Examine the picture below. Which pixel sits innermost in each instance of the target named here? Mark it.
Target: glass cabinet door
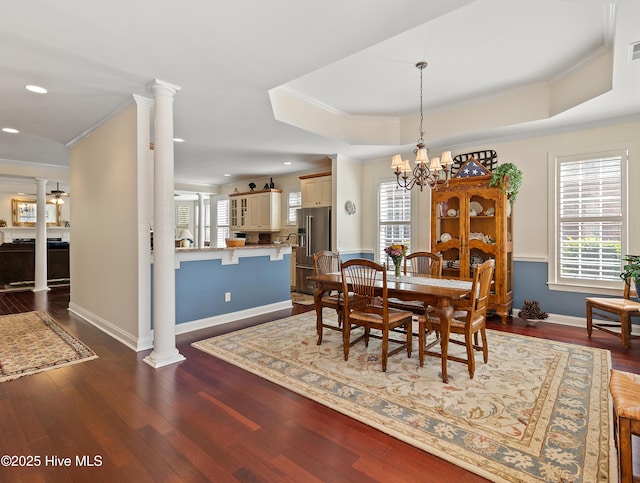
(482, 229)
(448, 232)
(233, 212)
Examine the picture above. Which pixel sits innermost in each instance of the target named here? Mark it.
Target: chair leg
(589, 319)
(409, 329)
(346, 339)
(385, 349)
(319, 325)
(625, 331)
(471, 360)
(624, 450)
(422, 327)
(485, 347)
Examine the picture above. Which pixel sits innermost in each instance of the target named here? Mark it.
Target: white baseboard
(108, 328)
(207, 322)
(140, 344)
(573, 321)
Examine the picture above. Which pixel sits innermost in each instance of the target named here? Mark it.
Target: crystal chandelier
(426, 173)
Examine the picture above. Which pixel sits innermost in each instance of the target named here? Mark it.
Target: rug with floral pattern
(537, 411)
(33, 342)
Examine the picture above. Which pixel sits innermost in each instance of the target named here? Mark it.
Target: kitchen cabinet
(256, 211)
(470, 223)
(316, 189)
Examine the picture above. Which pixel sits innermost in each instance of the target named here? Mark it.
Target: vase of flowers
(396, 252)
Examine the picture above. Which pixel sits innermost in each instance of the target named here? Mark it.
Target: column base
(40, 289)
(156, 362)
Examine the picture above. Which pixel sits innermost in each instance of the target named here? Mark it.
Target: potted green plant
(509, 178)
(631, 271)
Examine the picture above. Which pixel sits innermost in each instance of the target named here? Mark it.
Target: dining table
(437, 292)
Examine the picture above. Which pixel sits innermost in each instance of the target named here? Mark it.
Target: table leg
(422, 326)
(445, 313)
(317, 297)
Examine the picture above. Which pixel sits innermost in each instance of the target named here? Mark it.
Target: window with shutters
(294, 201)
(395, 217)
(184, 216)
(207, 222)
(589, 225)
(222, 222)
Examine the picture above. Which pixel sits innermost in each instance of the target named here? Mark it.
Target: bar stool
(625, 391)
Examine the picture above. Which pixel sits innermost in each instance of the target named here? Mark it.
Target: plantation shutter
(294, 202)
(590, 201)
(207, 221)
(222, 222)
(395, 216)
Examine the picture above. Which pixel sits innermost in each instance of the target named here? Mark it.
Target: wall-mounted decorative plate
(350, 207)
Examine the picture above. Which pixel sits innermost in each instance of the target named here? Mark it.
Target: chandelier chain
(421, 115)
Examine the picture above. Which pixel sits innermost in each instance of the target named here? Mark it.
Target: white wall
(531, 155)
(104, 261)
(530, 210)
(347, 186)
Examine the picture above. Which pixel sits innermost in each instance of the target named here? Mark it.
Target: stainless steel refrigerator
(314, 235)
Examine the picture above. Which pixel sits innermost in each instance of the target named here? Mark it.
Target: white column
(41, 236)
(164, 281)
(145, 200)
(200, 220)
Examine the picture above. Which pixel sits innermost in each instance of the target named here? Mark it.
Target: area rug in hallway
(537, 411)
(33, 342)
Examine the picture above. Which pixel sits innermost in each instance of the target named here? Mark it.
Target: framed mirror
(25, 213)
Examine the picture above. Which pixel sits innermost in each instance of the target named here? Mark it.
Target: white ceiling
(351, 59)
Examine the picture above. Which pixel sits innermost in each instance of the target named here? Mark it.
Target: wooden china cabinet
(471, 222)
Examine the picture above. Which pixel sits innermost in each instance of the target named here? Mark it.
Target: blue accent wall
(253, 282)
(530, 282)
(351, 256)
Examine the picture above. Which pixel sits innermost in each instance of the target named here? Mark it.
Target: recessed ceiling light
(178, 140)
(36, 89)
(10, 130)
(227, 174)
(287, 163)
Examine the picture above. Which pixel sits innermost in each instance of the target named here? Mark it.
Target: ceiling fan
(57, 195)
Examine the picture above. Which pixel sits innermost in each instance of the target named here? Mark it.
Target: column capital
(141, 100)
(162, 88)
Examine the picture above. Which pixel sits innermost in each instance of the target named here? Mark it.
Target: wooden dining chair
(368, 307)
(614, 315)
(327, 261)
(468, 320)
(418, 264)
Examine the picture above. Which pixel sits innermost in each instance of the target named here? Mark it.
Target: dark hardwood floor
(203, 419)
